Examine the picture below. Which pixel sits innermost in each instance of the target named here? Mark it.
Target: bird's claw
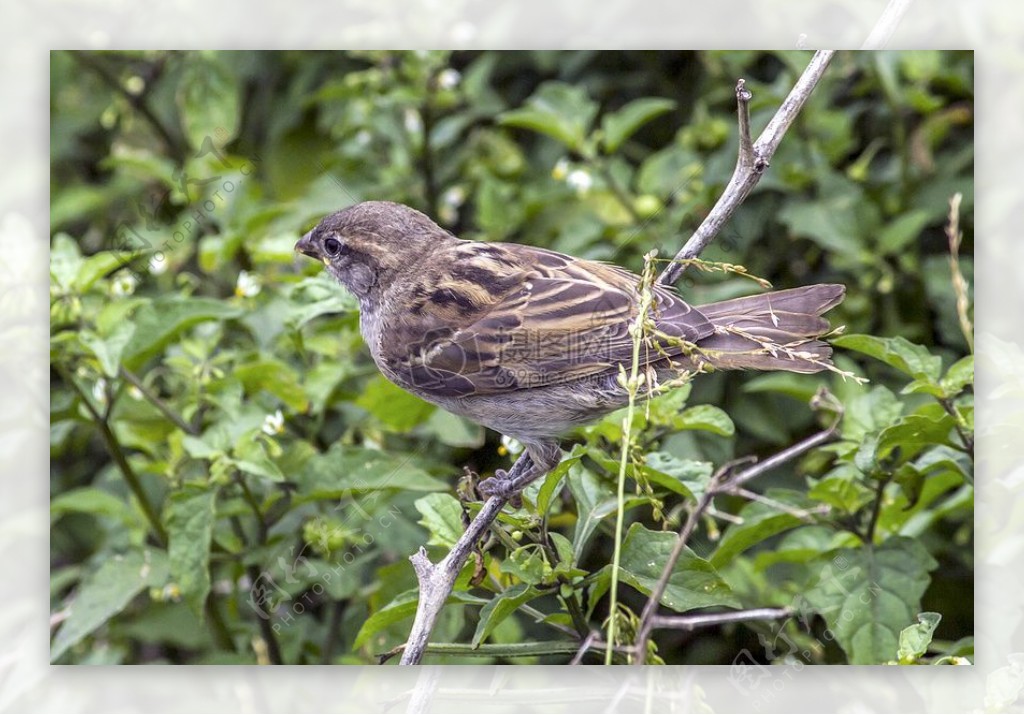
(500, 485)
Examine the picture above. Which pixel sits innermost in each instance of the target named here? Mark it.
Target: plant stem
(876, 509)
(632, 386)
(154, 400)
(118, 455)
(137, 101)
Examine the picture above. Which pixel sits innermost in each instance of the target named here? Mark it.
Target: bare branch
(688, 623)
(437, 580)
(586, 645)
(751, 162)
(722, 483)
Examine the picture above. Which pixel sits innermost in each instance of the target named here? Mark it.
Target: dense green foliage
(233, 481)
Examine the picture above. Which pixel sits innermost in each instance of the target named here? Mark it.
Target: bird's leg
(538, 459)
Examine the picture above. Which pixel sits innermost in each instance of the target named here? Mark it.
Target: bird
(531, 342)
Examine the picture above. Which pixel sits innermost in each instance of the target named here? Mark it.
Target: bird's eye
(332, 246)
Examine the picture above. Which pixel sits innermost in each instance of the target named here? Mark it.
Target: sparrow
(531, 342)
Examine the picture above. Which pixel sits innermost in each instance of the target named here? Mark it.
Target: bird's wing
(507, 317)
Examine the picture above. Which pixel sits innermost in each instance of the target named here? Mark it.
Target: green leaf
(95, 267)
(912, 434)
(159, 322)
(896, 235)
(868, 595)
(199, 448)
(442, 518)
(346, 468)
(791, 384)
(915, 639)
(320, 295)
(189, 519)
(105, 592)
(401, 607)
(90, 500)
(275, 377)
(108, 350)
(870, 412)
(926, 387)
(501, 607)
(760, 522)
(208, 100)
(250, 456)
(898, 352)
(620, 125)
(528, 564)
(589, 492)
(555, 476)
(694, 582)
(838, 224)
(843, 492)
(708, 418)
(71, 271)
(65, 260)
(394, 407)
(683, 476)
(453, 430)
(562, 111)
(959, 376)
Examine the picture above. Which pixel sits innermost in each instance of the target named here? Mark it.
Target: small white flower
(451, 200)
(449, 79)
(363, 137)
(413, 121)
(511, 445)
(560, 170)
(99, 391)
(273, 424)
(123, 284)
(158, 264)
(454, 196)
(248, 285)
(580, 180)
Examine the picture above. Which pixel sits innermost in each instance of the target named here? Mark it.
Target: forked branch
(753, 159)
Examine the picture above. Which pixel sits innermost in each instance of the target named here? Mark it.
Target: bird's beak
(307, 246)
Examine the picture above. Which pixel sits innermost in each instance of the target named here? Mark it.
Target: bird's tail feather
(772, 331)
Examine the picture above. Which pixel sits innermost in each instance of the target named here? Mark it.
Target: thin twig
(751, 161)
(780, 458)
(158, 403)
(586, 645)
(721, 483)
(114, 447)
(876, 510)
(801, 514)
(137, 101)
(700, 620)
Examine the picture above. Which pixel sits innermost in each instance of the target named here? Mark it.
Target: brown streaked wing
(564, 320)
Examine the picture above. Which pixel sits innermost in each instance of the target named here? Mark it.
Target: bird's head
(368, 245)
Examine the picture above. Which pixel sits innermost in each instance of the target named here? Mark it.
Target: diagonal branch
(723, 482)
(751, 163)
(437, 580)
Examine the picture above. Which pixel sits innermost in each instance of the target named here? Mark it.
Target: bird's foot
(502, 485)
